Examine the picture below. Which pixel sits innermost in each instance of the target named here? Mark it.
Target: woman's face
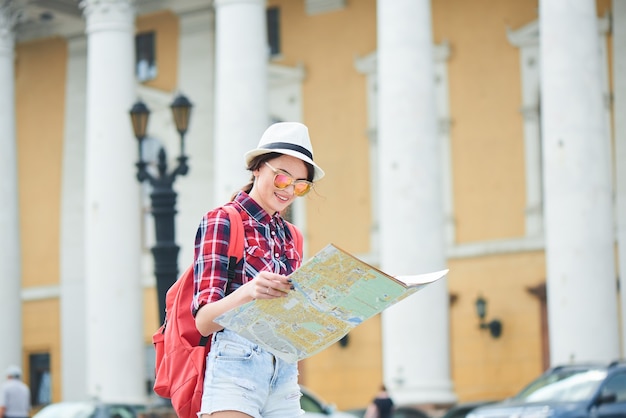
(270, 197)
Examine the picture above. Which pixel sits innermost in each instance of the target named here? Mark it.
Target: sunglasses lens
(300, 189)
(281, 181)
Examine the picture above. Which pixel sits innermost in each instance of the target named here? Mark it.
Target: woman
(243, 380)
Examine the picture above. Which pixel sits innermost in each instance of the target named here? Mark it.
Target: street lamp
(494, 326)
(163, 196)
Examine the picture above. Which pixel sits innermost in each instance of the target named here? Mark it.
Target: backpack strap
(235, 250)
(297, 236)
(235, 243)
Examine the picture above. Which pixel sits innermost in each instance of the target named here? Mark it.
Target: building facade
(483, 136)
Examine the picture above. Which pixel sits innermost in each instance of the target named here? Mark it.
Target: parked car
(88, 410)
(461, 410)
(399, 412)
(315, 407)
(597, 391)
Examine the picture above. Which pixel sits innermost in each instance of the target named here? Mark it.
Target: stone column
(113, 301)
(619, 112)
(10, 258)
(195, 79)
(241, 92)
(416, 347)
(72, 247)
(580, 259)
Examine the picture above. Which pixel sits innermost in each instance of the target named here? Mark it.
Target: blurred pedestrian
(381, 406)
(14, 395)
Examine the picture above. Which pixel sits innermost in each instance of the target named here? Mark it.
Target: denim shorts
(241, 376)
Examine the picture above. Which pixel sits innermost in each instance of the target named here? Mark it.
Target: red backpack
(180, 349)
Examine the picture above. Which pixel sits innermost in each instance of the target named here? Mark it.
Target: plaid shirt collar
(254, 209)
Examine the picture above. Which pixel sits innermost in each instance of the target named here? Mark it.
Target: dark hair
(259, 160)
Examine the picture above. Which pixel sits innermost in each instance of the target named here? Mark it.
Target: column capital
(219, 3)
(108, 14)
(9, 16)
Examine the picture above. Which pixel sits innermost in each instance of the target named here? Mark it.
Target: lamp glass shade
(181, 110)
(481, 307)
(139, 116)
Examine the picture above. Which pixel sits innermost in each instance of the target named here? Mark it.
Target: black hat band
(287, 145)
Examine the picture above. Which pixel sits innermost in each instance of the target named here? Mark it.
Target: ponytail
(246, 188)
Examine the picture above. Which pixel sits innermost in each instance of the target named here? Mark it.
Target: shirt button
(273, 232)
(276, 255)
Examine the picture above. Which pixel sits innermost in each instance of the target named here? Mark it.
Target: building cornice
(528, 35)
(9, 16)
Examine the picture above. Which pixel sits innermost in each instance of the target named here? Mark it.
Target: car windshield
(563, 386)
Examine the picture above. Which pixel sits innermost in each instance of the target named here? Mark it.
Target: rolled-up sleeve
(211, 258)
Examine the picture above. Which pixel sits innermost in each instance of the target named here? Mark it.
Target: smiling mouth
(282, 198)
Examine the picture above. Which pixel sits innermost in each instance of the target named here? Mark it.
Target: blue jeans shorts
(241, 376)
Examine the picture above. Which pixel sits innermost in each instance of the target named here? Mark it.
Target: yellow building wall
(150, 313)
(339, 211)
(603, 7)
(165, 25)
(487, 148)
(484, 367)
(41, 334)
(40, 103)
(40, 72)
(487, 142)
(348, 376)
(334, 109)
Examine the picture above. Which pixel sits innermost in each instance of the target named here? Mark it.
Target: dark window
(616, 385)
(40, 379)
(273, 30)
(145, 56)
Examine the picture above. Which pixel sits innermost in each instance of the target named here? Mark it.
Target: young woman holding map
(242, 379)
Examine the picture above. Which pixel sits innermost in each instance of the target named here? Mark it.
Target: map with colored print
(335, 292)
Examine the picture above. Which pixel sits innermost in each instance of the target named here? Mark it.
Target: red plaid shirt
(267, 248)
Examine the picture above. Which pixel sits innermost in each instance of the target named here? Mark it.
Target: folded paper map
(334, 292)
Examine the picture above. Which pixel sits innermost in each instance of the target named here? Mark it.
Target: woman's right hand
(267, 285)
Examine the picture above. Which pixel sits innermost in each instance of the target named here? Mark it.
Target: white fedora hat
(289, 138)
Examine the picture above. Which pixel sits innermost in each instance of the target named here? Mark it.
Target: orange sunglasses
(283, 180)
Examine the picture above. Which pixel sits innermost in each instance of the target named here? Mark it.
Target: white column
(580, 257)
(416, 348)
(10, 258)
(241, 93)
(114, 311)
(72, 247)
(195, 80)
(619, 112)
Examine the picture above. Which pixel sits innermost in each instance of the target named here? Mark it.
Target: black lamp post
(163, 196)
